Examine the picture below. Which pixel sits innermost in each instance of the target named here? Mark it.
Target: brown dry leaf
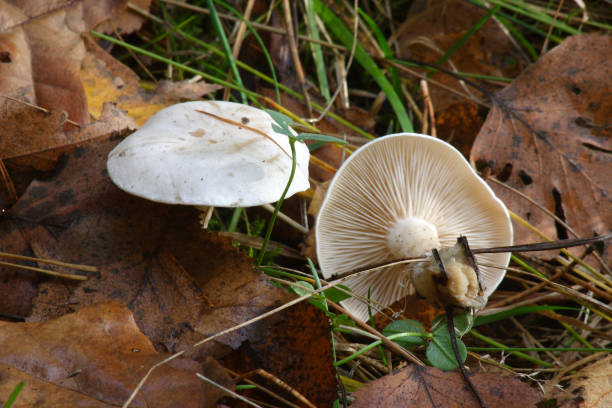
(96, 357)
(423, 387)
(42, 49)
(594, 383)
(549, 136)
(126, 21)
(433, 26)
(409, 307)
(459, 124)
(297, 350)
(106, 79)
(48, 35)
(152, 257)
(41, 135)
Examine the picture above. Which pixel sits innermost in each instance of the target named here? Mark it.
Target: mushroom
(400, 196)
(211, 153)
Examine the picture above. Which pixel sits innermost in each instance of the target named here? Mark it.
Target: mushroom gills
(448, 278)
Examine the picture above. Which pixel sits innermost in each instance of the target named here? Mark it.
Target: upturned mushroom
(401, 196)
(209, 153)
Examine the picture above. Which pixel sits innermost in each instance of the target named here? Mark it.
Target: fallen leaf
(180, 282)
(433, 26)
(589, 387)
(39, 138)
(409, 307)
(107, 80)
(126, 21)
(42, 49)
(548, 135)
(48, 36)
(421, 387)
(297, 350)
(459, 124)
(96, 357)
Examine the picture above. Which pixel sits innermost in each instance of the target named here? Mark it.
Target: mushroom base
(459, 287)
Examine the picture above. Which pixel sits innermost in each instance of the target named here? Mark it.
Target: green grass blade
(526, 9)
(260, 42)
(222, 82)
(165, 60)
(340, 30)
(226, 47)
(11, 399)
(542, 349)
(384, 46)
(317, 53)
(464, 38)
(505, 348)
(480, 320)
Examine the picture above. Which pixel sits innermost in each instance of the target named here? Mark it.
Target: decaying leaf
(297, 349)
(590, 387)
(434, 26)
(549, 136)
(41, 52)
(32, 132)
(126, 20)
(459, 124)
(96, 357)
(152, 257)
(106, 79)
(48, 35)
(422, 387)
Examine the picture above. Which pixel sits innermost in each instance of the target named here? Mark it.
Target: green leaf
(336, 295)
(463, 324)
(297, 288)
(405, 326)
(320, 138)
(440, 353)
(343, 320)
(283, 123)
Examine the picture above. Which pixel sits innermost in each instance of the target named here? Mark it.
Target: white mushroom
(208, 154)
(399, 197)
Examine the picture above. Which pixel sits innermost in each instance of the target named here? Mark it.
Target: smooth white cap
(396, 197)
(183, 156)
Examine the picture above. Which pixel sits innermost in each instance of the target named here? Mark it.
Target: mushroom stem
(207, 212)
(287, 219)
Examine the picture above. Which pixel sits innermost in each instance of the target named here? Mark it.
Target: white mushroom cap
(400, 196)
(183, 156)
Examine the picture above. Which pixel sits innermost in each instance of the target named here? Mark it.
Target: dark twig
(450, 324)
(470, 257)
(543, 246)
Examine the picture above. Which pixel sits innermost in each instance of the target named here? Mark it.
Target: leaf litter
(181, 283)
(154, 253)
(94, 358)
(548, 136)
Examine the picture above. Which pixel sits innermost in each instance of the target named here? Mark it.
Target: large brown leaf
(424, 387)
(433, 26)
(549, 136)
(95, 358)
(180, 282)
(48, 35)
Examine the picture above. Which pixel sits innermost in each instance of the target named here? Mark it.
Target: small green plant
(411, 334)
